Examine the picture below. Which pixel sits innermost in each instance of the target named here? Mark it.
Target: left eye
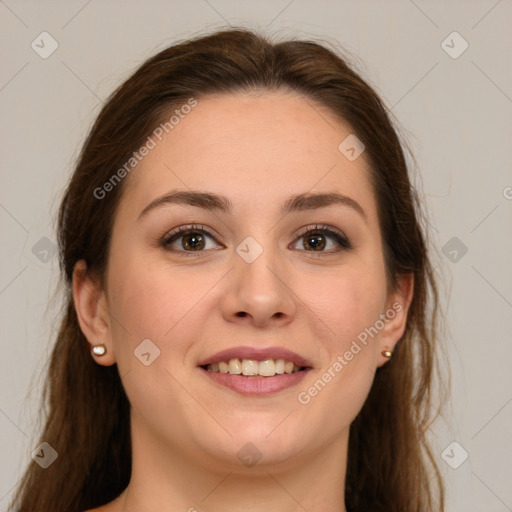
(323, 240)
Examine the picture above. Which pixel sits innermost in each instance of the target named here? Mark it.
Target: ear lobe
(397, 308)
(92, 312)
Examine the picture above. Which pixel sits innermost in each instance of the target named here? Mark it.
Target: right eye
(189, 239)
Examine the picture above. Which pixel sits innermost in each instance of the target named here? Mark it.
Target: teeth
(235, 366)
(267, 368)
(280, 366)
(252, 367)
(249, 367)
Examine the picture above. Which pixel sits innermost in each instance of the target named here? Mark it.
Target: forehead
(258, 149)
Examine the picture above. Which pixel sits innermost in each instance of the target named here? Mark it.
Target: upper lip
(259, 354)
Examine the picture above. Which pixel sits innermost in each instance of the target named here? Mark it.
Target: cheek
(150, 298)
(152, 301)
(348, 306)
(347, 301)
(345, 304)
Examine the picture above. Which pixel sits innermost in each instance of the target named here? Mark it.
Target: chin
(257, 443)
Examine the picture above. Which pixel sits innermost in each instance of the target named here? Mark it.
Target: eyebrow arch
(205, 200)
(309, 201)
(209, 201)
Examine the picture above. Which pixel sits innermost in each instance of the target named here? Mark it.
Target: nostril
(241, 314)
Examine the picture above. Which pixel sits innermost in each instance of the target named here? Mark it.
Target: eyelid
(189, 227)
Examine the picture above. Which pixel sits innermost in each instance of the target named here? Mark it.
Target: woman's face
(285, 273)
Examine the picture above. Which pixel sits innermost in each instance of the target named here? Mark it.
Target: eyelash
(321, 229)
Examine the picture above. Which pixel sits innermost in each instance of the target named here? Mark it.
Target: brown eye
(314, 241)
(193, 241)
(323, 239)
(189, 239)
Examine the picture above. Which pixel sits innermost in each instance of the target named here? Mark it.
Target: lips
(255, 371)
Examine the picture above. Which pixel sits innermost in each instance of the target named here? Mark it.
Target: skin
(257, 149)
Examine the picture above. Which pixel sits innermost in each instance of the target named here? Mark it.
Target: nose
(258, 293)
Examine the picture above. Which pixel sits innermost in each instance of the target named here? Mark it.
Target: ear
(395, 321)
(92, 312)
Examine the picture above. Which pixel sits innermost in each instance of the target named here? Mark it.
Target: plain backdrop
(444, 70)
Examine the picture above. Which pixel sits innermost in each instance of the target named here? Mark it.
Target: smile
(252, 367)
(255, 371)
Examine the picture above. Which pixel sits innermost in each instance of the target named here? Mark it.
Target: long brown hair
(390, 464)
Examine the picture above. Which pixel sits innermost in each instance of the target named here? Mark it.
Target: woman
(247, 295)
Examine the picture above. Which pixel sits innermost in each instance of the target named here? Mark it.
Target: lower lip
(256, 385)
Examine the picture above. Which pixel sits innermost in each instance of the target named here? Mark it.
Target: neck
(168, 479)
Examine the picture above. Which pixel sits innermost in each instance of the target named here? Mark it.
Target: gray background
(455, 113)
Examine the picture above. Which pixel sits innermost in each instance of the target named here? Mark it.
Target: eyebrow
(215, 202)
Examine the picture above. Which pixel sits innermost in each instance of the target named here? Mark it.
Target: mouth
(254, 368)
(256, 372)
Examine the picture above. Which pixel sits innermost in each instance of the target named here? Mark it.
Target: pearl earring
(99, 350)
